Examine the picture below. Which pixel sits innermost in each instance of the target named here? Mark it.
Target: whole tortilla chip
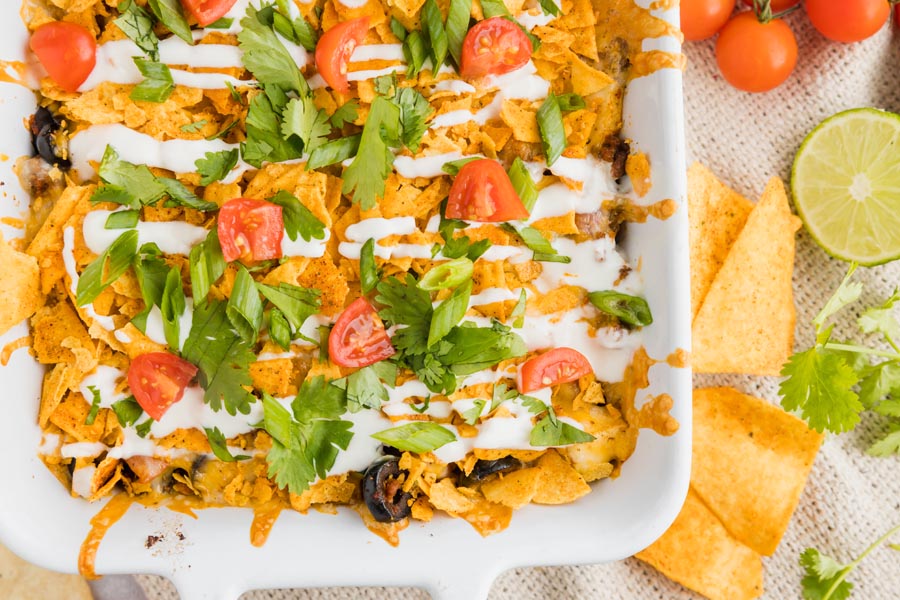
(717, 215)
(751, 460)
(19, 579)
(746, 323)
(20, 286)
(700, 554)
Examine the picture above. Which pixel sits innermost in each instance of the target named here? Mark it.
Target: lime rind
(846, 185)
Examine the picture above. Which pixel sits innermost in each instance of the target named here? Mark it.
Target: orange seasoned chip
(717, 215)
(560, 483)
(767, 454)
(20, 283)
(699, 553)
(515, 489)
(746, 323)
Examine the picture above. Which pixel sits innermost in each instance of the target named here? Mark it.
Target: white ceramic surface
(215, 561)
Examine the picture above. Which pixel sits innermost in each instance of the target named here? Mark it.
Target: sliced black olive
(383, 492)
(486, 468)
(44, 129)
(390, 451)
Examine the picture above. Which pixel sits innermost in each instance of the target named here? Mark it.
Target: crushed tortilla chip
(20, 286)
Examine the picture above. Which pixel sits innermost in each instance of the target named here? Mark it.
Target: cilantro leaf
(264, 139)
(457, 247)
(847, 293)
(819, 385)
(128, 411)
(888, 444)
(534, 405)
(881, 319)
(822, 577)
(194, 127)
(180, 195)
(157, 85)
(222, 357)
(133, 185)
(334, 152)
(550, 431)
(220, 446)
(364, 178)
(877, 381)
(215, 166)
(414, 112)
(308, 123)
(298, 220)
(472, 415)
(364, 389)
(266, 57)
(347, 113)
(306, 444)
(420, 436)
(408, 305)
(472, 349)
(137, 24)
(501, 393)
(294, 302)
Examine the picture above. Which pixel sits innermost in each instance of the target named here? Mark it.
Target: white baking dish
(42, 523)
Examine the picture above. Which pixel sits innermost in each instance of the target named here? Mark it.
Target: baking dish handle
(466, 587)
(214, 587)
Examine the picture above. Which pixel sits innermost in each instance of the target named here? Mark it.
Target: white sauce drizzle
(172, 237)
(82, 450)
(69, 262)
(377, 52)
(82, 481)
(427, 166)
(104, 379)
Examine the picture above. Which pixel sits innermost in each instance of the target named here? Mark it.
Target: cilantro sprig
(826, 577)
(821, 381)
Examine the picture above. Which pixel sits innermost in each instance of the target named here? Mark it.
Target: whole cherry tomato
(560, 365)
(755, 56)
(777, 5)
(358, 338)
(848, 20)
(335, 48)
(483, 192)
(493, 47)
(67, 51)
(702, 19)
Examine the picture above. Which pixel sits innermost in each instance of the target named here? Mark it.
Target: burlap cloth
(851, 498)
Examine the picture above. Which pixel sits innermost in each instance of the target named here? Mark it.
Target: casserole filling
(339, 253)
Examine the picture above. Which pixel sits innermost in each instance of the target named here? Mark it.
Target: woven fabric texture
(851, 498)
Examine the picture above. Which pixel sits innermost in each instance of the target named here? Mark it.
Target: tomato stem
(763, 10)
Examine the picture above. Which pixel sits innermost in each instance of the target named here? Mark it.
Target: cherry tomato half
(777, 5)
(848, 20)
(358, 338)
(251, 230)
(493, 47)
(754, 56)
(702, 19)
(206, 12)
(67, 51)
(334, 49)
(157, 381)
(559, 365)
(483, 192)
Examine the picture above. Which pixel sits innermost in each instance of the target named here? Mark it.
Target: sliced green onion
(143, 428)
(449, 313)
(128, 411)
(368, 271)
(295, 302)
(553, 132)
(537, 243)
(458, 26)
(279, 329)
(108, 267)
(305, 34)
(518, 311)
(171, 14)
(523, 183)
(415, 51)
(283, 26)
(570, 102)
(206, 266)
(245, 309)
(95, 406)
(421, 436)
(447, 275)
(398, 29)
(550, 7)
(172, 307)
(433, 25)
(223, 23)
(494, 8)
(333, 152)
(452, 168)
(157, 85)
(123, 219)
(630, 310)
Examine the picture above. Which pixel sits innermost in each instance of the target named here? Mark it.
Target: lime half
(846, 185)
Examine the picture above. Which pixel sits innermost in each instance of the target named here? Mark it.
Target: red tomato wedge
(157, 381)
(207, 12)
(560, 365)
(358, 338)
(483, 192)
(493, 47)
(250, 230)
(67, 51)
(334, 49)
